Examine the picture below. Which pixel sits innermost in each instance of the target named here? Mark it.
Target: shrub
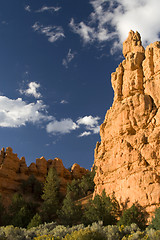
(101, 208)
(155, 223)
(46, 237)
(85, 234)
(134, 214)
(35, 221)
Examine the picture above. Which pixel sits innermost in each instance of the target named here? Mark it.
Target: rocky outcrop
(128, 157)
(14, 170)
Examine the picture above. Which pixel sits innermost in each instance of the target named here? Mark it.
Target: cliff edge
(128, 157)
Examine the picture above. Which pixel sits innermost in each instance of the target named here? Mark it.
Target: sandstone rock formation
(14, 170)
(128, 157)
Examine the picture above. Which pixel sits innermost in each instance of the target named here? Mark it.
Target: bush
(85, 234)
(155, 223)
(101, 208)
(46, 237)
(35, 221)
(134, 214)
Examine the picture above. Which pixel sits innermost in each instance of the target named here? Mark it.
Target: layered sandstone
(14, 170)
(128, 157)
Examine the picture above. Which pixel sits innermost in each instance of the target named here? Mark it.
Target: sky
(56, 58)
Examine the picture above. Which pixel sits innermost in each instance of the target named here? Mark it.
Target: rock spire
(128, 157)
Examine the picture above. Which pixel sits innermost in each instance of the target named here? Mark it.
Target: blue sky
(56, 57)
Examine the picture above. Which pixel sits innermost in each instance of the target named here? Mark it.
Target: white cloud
(50, 9)
(70, 56)
(16, 112)
(63, 101)
(85, 32)
(84, 134)
(32, 90)
(95, 129)
(112, 20)
(64, 126)
(28, 8)
(90, 123)
(53, 33)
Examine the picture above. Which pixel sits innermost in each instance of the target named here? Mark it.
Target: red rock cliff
(128, 157)
(14, 170)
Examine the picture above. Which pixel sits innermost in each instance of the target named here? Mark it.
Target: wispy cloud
(16, 112)
(4, 22)
(112, 20)
(32, 90)
(61, 127)
(28, 8)
(84, 134)
(48, 9)
(53, 33)
(63, 102)
(70, 56)
(85, 32)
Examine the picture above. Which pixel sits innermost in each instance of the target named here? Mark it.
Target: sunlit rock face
(128, 157)
(14, 170)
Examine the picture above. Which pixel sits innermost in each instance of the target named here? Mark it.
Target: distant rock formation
(14, 170)
(128, 157)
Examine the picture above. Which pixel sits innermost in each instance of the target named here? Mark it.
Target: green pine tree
(50, 196)
(71, 212)
(20, 211)
(134, 214)
(2, 212)
(101, 208)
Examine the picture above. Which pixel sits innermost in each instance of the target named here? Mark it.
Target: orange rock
(128, 157)
(14, 170)
(77, 171)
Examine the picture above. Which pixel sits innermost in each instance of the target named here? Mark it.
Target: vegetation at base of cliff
(95, 231)
(66, 219)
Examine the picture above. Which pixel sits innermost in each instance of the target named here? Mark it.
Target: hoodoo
(128, 157)
(13, 171)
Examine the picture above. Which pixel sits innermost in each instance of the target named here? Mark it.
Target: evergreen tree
(2, 212)
(32, 186)
(79, 188)
(71, 212)
(134, 214)
(20, 211)
(101, 208)
(87, 183)
(155, 223)
(74, 189)
(50, 196)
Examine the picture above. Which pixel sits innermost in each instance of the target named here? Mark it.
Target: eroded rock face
(14, 170)
(128, 157)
